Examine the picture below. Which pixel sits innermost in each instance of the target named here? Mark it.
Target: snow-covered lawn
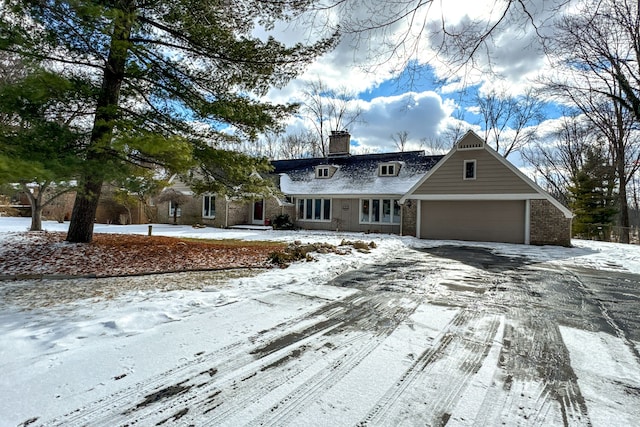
(397, 336)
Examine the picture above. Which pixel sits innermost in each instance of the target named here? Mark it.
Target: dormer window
(322, 172)
(388, 169)
(325, 171)
(469, 169)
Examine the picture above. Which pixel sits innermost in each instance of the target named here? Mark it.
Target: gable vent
(470, 141)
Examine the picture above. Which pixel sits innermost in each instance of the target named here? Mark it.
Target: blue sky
(439, 96)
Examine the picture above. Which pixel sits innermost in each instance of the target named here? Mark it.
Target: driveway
(449, 335)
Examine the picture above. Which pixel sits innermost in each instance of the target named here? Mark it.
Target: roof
(355, 174)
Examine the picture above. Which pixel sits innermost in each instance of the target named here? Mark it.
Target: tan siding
(492, 177)
(486, 221)
(345, 216)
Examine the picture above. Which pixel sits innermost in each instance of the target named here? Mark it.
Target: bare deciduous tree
(176, 199)
(329, 110)
(598, 56)
(400, 140)
(559, 157)
(296, 145)
(400, 32)
(509, 122)
(597, 47)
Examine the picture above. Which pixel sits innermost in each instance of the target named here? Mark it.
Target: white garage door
(487, 221)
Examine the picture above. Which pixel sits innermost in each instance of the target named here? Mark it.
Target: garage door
(487, 221)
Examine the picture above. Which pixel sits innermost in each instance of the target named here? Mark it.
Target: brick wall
(548, 225)
(410, 217)
(237, 212)
(273, 208)
(191, 212)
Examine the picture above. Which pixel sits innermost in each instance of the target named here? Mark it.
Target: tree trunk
(623, 203)
(620, 165)
(36, 217)
(624, 217)
(86, 204)
(36, 206)
(83, 215)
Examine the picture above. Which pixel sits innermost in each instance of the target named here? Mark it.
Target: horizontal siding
(345, 216)
(492, 177)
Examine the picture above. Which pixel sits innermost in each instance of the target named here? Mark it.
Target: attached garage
(473, 193)
(482, 220)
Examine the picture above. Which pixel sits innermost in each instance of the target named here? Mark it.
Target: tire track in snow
(223, 382)
(459, 354)
(377, 313)
(230, 358)
(539, 384)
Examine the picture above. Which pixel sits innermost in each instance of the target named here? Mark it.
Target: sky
(415, 91)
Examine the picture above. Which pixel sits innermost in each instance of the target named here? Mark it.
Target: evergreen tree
(168, 78)
(593, 199)
(38, 147)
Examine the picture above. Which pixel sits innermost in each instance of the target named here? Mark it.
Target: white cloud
(513, 53)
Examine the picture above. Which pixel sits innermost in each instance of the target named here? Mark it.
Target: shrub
(282, 222)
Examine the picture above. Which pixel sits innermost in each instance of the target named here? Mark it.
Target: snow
(61, 358)
(347, 186)
(603, 364)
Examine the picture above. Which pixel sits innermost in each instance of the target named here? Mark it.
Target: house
(471, 193)
(220, 210)
(352, 192)
(474, 193)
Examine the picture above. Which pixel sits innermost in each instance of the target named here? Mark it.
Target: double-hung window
(322, 172)
(172, 209)
(379, 211)
(314, 209)
(388, 169)
(469, 169)
(208, 206)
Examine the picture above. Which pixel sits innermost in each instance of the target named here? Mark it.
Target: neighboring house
(472, 193)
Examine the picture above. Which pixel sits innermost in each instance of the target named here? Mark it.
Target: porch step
(252, 227)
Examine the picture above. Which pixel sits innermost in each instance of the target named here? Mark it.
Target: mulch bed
(48, 254)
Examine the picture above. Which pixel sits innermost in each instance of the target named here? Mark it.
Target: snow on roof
(355, 175)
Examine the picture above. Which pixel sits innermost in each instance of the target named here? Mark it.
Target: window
(322, 172)
(375, 211)
(314, 209)
(208, 206)
(172, 209)
(469, 169)
(388, 169)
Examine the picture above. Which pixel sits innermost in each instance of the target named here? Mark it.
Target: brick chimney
(339, 142)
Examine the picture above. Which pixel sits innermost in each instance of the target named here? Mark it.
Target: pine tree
(38, 147)
(167, 78)
(593, 199)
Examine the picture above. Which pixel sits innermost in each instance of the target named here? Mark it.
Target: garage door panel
(490, 221)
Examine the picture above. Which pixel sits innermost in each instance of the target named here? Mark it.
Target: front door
(258, 212)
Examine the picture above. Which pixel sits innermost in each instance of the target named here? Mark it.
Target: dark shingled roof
(356, 174)
(356, 161)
